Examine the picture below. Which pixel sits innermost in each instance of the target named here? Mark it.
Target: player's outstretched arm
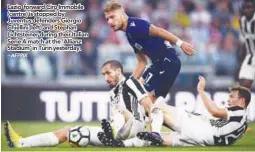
(209, 104)
(164, 34)
(147, 104)
(142, 62)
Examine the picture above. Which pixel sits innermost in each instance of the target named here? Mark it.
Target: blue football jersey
(138, 36)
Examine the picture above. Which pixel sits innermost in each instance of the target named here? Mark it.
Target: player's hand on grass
(201, 84)
(188, 49)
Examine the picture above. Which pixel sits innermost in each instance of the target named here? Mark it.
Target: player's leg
(131, 128)
(39, 140)
(159, 78)
(46, 139)
(127, 131)
(116, 128)
(136, 142)
(170, 115)
(148, 79)
(166, 139)
(167, 72)
(131, 142)
(120, 122)
(247, 72)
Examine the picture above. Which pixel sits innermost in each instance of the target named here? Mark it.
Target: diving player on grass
(191, 129)
(128, 103)
(153, 42)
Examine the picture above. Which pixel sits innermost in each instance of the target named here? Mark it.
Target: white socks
(40, 140)
(124, 131)
(157, 119)
(136, 142)
(118, 121)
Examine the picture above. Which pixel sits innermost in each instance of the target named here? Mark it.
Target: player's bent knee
(157, 107)
(126, 114)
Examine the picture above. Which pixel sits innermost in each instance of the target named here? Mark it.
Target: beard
(116, 81)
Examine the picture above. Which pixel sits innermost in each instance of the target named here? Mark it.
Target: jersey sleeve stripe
(126, 97)
(138, 93)
(245, 27)
(253, 27)
(138, 85)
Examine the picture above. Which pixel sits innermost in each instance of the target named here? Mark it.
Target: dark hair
(114, 65)
(243, 93)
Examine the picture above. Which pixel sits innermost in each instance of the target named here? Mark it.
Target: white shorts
(247, 70)
(192, 130)
(131, 128)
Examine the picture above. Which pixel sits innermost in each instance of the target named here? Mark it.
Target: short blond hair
(112, 5)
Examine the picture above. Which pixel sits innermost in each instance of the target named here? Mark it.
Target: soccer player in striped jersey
(153, 42)
(128, 103)
(198, 130)
(247, 26)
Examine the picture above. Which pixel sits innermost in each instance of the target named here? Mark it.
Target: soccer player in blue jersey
(153, 42)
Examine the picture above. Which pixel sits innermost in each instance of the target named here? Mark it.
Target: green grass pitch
(247, 143)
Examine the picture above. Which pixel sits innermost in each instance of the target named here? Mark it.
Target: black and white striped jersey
(127, 94)
(230, 130)
(247, 28)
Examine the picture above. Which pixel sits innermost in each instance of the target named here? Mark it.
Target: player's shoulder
(135, 19)
(134, 22)
(242, 18)
(126, 83)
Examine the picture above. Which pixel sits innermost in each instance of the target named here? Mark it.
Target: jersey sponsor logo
(132, 24)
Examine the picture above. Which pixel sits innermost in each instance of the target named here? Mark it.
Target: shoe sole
(143, 136)
(149, 137)
(106, 126)
(109, 141)
(103, 139)
(7, 134)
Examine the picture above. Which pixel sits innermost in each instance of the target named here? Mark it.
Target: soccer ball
(79, 136)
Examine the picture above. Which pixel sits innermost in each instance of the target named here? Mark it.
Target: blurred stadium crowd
(210, 25)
